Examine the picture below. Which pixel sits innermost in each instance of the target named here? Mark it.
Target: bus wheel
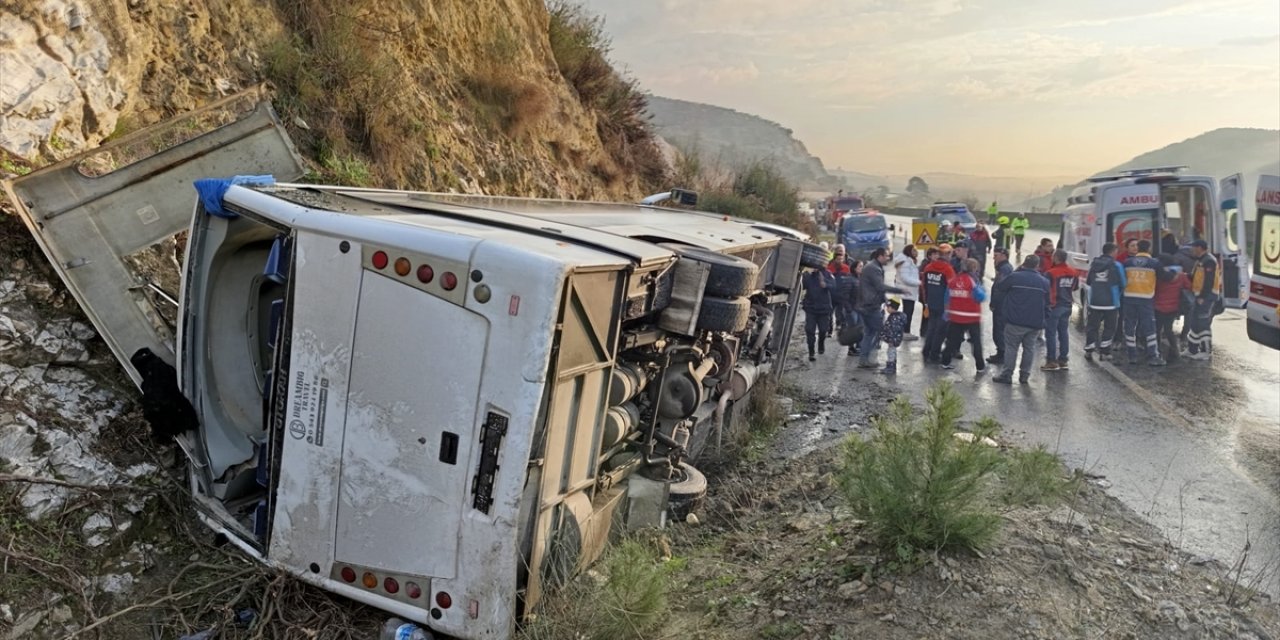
(686, 492)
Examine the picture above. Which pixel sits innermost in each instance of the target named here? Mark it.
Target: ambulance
(436, 404)
(1168, 208)
(1264, 286)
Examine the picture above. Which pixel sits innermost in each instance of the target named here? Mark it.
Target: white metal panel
(326, 289)
(86, 226)
(415, 376)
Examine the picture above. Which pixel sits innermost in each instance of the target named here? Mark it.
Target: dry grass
(581, 50)
(334, 74)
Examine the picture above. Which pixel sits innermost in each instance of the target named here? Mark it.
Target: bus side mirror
(685, 197)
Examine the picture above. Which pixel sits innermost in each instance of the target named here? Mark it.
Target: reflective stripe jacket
(1019, 226)
(1140, 274)
(964, 300)
(1205, 278)
(1106, 281)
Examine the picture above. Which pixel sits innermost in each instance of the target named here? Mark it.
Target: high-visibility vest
(1020, 226)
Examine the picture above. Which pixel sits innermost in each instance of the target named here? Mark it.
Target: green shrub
(1032, 476)
(917, 486)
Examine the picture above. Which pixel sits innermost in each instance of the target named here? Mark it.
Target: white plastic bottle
(397, 629)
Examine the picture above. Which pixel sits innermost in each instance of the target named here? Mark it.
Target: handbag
(851, 333)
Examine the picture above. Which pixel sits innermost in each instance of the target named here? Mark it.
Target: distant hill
(1218, 153)
(944, 185)
(729, 138)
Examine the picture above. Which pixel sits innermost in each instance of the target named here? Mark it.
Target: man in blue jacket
(1106, 283)
(1025, 300)
(1004, 269)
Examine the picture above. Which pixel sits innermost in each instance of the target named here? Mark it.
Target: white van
(1151, 204)
(1264, 286)
(438, 405)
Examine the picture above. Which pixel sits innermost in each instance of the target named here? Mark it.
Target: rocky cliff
(727, 137)
(451, 95)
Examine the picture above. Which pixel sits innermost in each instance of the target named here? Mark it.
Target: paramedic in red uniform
(965, 295)
(1204, 284)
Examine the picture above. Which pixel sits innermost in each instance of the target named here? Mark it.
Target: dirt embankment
(464, 96)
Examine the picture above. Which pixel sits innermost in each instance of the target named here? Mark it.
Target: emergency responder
(965, 295)
(993, 211)
(1026, 306)
(1002, 234)
(1205, 284)
(1063, 283)
(936, 275)
(1003, 269)
(945, 233)
(1141, 272)
(1019, 226)
(1106, 285)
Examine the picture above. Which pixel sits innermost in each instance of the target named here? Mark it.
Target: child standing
(895, 325)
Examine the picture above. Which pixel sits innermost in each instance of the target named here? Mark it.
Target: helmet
(946, 223)
(1002, 220)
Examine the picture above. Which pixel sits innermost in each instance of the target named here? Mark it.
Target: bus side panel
(525, 291)
(327, 288)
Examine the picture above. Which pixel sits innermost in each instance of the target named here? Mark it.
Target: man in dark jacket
(1025, 296)
(817, 304)
(1004, 269)
(871, 299)
(1106, 283)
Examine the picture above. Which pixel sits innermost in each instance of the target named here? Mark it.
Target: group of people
(1138, 297)
(1132, 296)
(852, 293)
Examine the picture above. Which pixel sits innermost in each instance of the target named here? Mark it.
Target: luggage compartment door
(98, 231)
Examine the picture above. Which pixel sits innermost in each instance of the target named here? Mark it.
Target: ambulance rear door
(1235, 260)
(1131, 211)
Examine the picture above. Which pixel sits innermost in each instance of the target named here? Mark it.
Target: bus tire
(686, 491)
(729, 277)
(729, 315)
(814, 256)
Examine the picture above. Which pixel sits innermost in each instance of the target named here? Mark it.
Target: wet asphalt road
(1194, 447)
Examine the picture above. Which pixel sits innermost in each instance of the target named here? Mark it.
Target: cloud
(1251, 41)
(831, 68)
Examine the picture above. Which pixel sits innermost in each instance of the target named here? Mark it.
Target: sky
(985, 87)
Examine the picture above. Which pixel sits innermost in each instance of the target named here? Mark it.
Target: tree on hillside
(916, 186)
